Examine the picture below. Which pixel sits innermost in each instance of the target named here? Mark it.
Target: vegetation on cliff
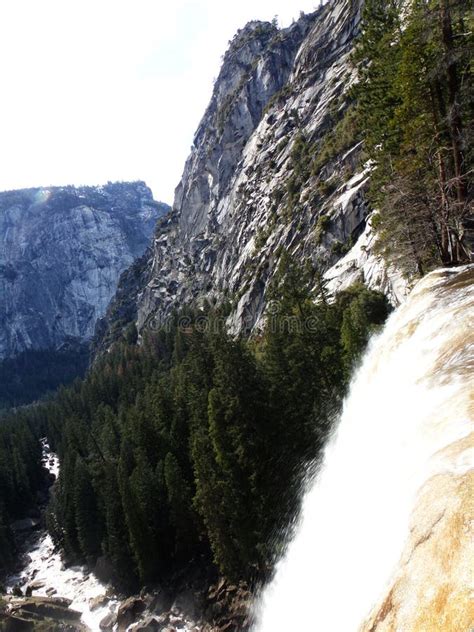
(415, 102)
(33, 374)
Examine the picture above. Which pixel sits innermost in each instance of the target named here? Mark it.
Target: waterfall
(409, 399)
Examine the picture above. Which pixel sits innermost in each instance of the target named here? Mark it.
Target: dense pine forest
(21, 476)
(189, 446)
(33, 374)
(415, 108)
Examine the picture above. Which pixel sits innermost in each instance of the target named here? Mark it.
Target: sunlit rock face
(62, 250)
(432, 588)
(232, 212)
(248, 190)
(362, 264)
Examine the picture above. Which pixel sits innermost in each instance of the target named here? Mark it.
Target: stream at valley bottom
(47, 576)
(44, 573)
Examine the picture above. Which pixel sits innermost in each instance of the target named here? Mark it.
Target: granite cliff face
(275, 164)
(62, 250)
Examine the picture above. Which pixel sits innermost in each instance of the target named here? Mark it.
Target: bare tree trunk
(454, 115)
(444, 240)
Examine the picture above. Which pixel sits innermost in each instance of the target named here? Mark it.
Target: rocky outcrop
(275, 165)
(62, 250)
(432, 587)
(128, 612)
(39, 613)
(222, 606)
(361, 264)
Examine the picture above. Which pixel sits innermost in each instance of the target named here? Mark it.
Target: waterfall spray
(410, 398)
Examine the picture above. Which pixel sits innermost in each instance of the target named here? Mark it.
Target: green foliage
(321, 227)
(342, 135)
(364, 311)
(279, 98)
(414, 103)
(33, 374)
(192, 445)
(307, 158)
(21, 476)
(180, 500)
(340, 249)
(86, 513)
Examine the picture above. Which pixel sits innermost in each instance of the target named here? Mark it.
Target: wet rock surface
(45, 590)
(431, 588)
(39, 613)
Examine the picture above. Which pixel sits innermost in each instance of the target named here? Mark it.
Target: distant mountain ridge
(62, 251)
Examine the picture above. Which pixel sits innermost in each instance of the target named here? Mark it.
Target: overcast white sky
(98, 90)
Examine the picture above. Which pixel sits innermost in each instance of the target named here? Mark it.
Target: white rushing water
(47, 574)
(409, 398)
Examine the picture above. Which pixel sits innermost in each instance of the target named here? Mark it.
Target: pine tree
(87, 518)
(415, 109)
(180, 499)
(7, 548)
(116, 541)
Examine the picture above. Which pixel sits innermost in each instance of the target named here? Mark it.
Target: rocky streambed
(46, 595)
(71, 588)
(43, 590)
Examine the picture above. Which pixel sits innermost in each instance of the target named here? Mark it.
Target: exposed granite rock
(129, 611)
(431, 590)
(62, 250)
(39, 613)
(362, 264)
(98, 602)
(108, 622)
(220, 607)
(232, 210)
(247, 191)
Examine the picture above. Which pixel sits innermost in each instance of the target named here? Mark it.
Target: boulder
(108, 622)
(150, 624)
(48, 607)
(98, 602)
(35, 585)
(177, 620)
(186, 603)
(41, 613)
(16, 624)
(160, 601)
(129, 611)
